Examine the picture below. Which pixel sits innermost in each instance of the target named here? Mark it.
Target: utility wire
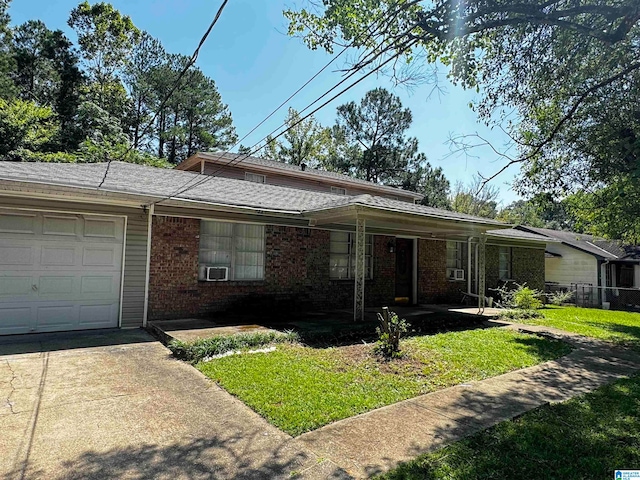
(239, 158)
(190, 63)
(234, 160)
(242, 157)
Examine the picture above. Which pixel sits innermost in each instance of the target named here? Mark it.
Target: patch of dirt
(352, 355)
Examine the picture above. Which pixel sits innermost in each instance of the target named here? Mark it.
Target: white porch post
(482, 242)
(361, 268)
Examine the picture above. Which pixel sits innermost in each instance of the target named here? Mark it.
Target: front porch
(312, 325)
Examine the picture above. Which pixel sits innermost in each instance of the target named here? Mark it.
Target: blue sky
(256, 66)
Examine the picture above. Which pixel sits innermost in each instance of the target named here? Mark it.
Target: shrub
(559, 297)
(520, 314)
(197, 350)
(521, 297)
(389, 331)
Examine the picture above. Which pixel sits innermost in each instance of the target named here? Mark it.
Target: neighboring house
(582, 261)
(78, 251)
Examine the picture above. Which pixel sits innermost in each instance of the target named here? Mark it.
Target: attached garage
(59, 271)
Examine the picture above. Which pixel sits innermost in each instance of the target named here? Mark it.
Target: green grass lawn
(587, 437)
(299, 388)
(610, 325)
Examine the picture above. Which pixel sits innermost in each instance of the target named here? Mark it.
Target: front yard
(587, 437)
(299, 388)
(619, 327)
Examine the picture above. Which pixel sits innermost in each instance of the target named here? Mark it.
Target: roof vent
(303, 166)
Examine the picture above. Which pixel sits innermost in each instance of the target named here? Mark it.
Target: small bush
(521, 297)
(389, 331)
(199, 349)
(560, 297)
(520, 314)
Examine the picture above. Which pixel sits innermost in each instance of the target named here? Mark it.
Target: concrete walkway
(377, 441)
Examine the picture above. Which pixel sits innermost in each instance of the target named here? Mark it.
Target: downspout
(476, 285)
(469, 265)
(602, 281)
(148, 267)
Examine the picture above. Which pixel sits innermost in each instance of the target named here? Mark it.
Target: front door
(404, 270)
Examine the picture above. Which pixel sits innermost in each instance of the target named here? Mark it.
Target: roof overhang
(392, 222)
(80, 194)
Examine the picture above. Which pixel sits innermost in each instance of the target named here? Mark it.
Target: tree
(25, 126)
(375, 130)
(194, 118)
(303, 142)
(474, 200)
(7, 89)
(146, 60)
(47, 73)
(611, 211)
(430, 182)
(106, 39)
(568, 70)
(521, 212)
(208, 125)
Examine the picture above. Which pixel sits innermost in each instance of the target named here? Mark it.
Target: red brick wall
(296, 274)
(433, 284)
(434, 287)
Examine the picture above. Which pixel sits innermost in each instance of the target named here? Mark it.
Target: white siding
(574, 266)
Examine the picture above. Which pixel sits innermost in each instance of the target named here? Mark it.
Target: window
(255, 177)
(342, 256)
(625, 276)
(454, 254)
(240, 247)
(455, 261)
(338, 191)
(504, 263)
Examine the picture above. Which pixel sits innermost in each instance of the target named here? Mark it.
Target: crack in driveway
(13, 388)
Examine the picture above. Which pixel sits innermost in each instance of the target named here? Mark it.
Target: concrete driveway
(116, 405)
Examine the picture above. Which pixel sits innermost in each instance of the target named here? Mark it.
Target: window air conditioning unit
(216, 274)
(455, 273)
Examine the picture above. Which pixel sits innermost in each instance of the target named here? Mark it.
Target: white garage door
(59, 271)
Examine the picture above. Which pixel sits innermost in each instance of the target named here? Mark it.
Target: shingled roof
(597, 246)
(513, 233)
(133, 179)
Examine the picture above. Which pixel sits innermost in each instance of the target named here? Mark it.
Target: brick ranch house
(147, 243)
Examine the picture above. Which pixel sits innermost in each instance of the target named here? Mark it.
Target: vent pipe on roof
(303, 166)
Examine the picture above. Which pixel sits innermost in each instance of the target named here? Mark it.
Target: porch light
(392, 246)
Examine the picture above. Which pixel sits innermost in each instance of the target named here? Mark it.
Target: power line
(190, 63)
(371, 29)
(242, 157)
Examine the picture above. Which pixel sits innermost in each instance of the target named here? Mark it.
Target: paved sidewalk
(378, 440)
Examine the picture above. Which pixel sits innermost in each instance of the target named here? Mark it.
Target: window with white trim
(255, 177)
(504, 263)
(342, 256)
(454, 254)
(338, 191)
(239, 247)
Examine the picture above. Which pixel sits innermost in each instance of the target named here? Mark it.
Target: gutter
(133, 202)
